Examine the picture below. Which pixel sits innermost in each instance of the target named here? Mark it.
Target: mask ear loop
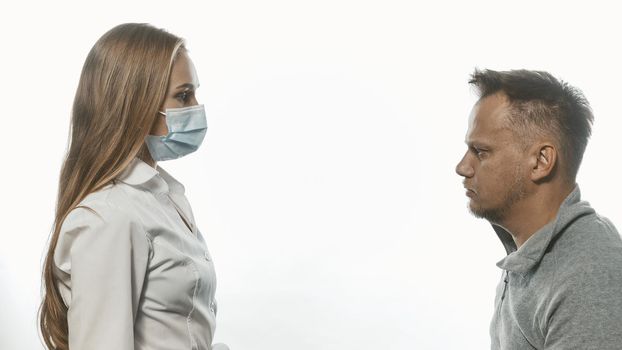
(164, 114)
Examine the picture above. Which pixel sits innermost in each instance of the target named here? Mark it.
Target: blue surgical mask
(186, 130)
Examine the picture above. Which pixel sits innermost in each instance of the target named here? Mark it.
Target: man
(562, 278)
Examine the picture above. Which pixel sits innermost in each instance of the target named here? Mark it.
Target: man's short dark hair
(540, 103)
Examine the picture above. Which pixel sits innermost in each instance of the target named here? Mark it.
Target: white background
(326, 186)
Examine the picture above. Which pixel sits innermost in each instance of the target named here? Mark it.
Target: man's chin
(475, 211)
(493, 216)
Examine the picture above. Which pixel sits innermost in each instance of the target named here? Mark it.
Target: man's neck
(535, 211)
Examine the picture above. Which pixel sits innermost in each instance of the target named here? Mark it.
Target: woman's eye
(183, 96)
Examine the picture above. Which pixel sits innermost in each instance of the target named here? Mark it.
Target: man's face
(493, 167)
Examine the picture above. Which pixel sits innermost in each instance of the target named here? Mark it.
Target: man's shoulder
(589, 248)
(589, 234)
(583, 303)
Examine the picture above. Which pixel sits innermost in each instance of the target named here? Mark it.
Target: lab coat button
(207, 256)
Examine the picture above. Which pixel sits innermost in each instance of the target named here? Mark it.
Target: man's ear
(543, 161)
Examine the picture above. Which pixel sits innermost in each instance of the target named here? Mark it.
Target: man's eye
(478, 152)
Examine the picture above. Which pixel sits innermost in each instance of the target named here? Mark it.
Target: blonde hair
(122, 85)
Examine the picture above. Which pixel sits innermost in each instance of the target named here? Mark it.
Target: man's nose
(463, 168)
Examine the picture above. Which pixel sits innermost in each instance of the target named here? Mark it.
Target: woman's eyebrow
(186, 85)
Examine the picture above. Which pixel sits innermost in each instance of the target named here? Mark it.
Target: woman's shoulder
(98, 221)
(107, 206)
(110, 201)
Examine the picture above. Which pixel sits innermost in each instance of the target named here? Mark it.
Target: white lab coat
(131, 272)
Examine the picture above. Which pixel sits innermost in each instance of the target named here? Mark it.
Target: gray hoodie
(563, 288)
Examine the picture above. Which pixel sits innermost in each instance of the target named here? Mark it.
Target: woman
(127, 268)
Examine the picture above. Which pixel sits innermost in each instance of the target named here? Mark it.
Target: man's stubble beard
(497, 215)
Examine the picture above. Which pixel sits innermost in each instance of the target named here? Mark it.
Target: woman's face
(182, 85)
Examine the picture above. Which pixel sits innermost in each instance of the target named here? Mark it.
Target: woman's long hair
(122, 85)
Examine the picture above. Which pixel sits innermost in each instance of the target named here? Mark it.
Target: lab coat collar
(174, 185)
(140, 174)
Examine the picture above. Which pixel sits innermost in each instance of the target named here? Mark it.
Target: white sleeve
(104, 259)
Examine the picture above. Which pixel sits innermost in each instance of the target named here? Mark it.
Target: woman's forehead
(183, 72)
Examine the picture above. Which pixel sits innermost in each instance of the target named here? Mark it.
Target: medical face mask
(186, 130)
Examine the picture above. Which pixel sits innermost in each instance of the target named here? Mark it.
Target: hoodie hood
(531, 252)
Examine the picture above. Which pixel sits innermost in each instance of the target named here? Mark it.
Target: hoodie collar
(142, 175)
(523, 259)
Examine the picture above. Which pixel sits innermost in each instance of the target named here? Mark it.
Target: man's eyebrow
(476, 144)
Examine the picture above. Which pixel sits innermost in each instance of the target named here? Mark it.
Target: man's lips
(469, 192)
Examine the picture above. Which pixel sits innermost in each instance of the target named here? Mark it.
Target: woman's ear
(543, 161)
